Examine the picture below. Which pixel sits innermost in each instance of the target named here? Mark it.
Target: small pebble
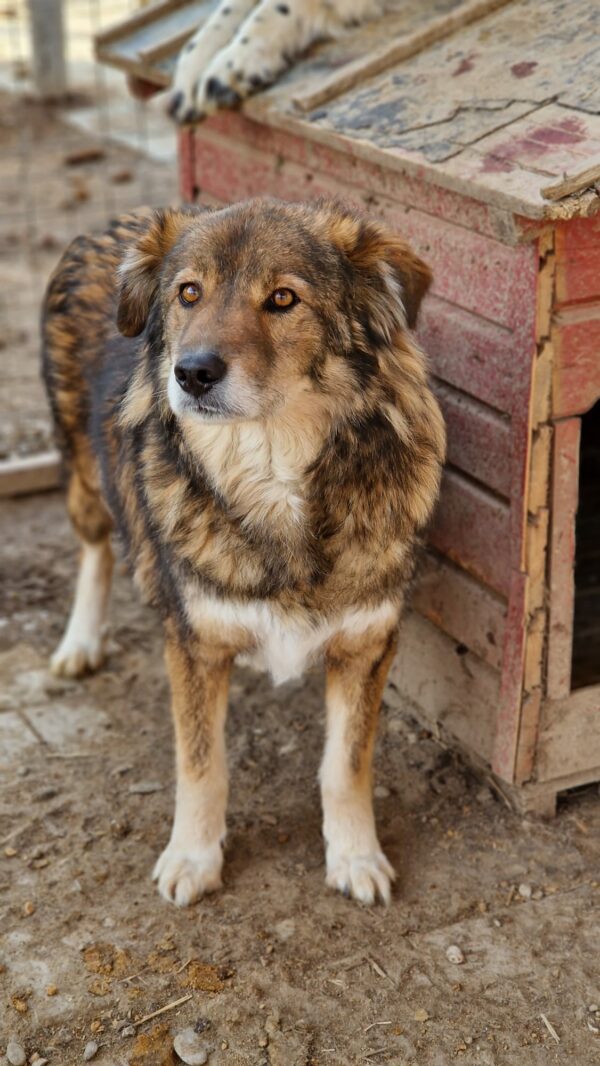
(51, 990)
(190, 1048)
(15, 1054)
(28, 908)
(538, 894)
(421, 1015)
(129, 1030)
(525, 891)
(593, 1008)
(454, 954)
(90, 1049)
(381, 792)
(144, 788)
(264, 1041)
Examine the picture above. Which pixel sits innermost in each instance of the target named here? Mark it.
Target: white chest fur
(283, 645)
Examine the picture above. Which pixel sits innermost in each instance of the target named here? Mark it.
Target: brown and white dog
(239, 393)
(245, 45)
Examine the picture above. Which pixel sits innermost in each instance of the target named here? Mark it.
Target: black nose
(197, 372)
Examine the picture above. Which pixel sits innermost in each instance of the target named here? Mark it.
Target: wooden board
(479, 438)
(471, 527)
(578, 261)
(34, 473)
(565, 495)
(576, 370)
(466, 610)
(569, 741)
(453, 691)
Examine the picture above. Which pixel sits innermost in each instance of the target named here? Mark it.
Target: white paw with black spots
(364, 877)
(185, 873)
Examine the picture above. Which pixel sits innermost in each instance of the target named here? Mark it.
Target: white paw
(364, 877)
(184, 874)
(181, 101)
(76, 656)
(235, 73)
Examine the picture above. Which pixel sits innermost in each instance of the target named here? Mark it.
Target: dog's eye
(189, 293)
(281, 300)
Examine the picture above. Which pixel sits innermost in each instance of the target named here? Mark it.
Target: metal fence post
(48, 48)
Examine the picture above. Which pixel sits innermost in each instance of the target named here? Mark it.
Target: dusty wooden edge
(576, 183)
(137, 21)
(35, 473)
(404, 47)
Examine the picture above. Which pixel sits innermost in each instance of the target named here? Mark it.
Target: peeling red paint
(524, 69)
(534, 143)
(465, 65)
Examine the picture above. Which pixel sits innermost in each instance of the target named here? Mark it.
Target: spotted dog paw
(363, 877)
(184, 874)
(238, 71)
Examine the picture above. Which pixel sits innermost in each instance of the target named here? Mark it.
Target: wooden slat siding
(578, 265)
(565, 494)
(470, 270)
(507, 720)
(576, 376)
(569, 740)
(465, 350)
(465, 609)
(479, 438)
(471, 527)
(457, 692)
(368, 178)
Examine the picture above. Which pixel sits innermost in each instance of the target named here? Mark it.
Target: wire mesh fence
(67, 166)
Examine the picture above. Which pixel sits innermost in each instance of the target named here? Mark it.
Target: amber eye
(281, 300)
(189, 293)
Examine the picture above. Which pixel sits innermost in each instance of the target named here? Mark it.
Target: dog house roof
(495, 99)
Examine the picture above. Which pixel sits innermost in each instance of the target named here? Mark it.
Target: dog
(246, 44)
(240, 394)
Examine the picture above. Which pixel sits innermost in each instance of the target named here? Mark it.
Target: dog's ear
(139, 272)
(387, 266)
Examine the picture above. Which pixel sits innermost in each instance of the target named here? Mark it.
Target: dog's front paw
(235, 73)
(365, 877)
(184, 874)
(76, 656)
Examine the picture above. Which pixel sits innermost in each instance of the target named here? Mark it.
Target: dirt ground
(277, 969)
(274, 970)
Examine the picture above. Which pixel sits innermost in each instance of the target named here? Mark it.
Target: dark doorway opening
(586, 630)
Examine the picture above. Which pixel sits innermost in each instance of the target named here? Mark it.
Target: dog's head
(252, 305)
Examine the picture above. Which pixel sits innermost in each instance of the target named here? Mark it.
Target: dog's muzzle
(197, 372)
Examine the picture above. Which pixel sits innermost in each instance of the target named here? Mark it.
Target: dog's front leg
(199, 675)
(356, 672)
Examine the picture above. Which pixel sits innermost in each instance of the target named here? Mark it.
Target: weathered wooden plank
(372, 180)
(471, 527)
(578, 260)
(565, 495)
(508, 717)
(465, 350)
(576, 374)
(577, 182)
(479, 438)
(453, 691)
(34, 473)
(569, 739)
(464, 608)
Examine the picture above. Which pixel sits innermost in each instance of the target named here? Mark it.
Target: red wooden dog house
(477, 136)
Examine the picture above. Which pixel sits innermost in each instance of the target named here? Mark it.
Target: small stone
(37, 1060)
(144, 788)
(285, 929)
(264, 1041)
(128, 1030)
(497, 923)
(381, 792)
(538, 894)
(10, 852)
(224, 1045)
(190, 1048)
(421, 1015)
(454, 954)
(28, 908)
(90, 1050)
(525, 891)
(15, 1053)
(593, 1008)
(51, 990)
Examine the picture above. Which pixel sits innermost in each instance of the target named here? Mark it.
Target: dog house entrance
(586, 627)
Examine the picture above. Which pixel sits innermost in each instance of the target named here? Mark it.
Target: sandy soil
(279, 970)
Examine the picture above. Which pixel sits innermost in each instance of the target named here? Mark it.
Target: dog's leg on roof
(187, 94)
(199, 675)
(357, 668)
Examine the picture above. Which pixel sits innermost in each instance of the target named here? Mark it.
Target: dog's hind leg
(82, 647)
(357, 668)
(199, 674)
